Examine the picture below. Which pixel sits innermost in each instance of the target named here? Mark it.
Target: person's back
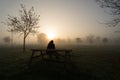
(51, 45)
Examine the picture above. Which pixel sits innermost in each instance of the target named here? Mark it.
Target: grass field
(88, 63)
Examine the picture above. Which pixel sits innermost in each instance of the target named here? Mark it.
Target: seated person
(51, 45)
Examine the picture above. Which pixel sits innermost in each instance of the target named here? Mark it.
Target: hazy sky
(64, 18)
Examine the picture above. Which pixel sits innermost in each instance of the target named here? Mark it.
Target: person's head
(51, 41)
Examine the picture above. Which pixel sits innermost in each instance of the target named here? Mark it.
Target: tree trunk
(11, 38)
(24, 44)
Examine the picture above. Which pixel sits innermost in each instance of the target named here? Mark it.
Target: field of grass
(88, 63)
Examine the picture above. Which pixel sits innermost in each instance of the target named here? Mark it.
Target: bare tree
(25, 23)
(114, 7)
(7, 39)
(42, 39)
(98, 39)
(105, 40)
(90, 38)
(78, 40)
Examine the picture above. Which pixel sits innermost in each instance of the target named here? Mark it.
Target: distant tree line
(91, 39)
(42, 40)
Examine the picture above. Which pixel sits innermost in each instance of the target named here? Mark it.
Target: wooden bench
(65, 53)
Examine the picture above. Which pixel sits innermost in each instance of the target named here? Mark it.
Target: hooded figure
(51, 45)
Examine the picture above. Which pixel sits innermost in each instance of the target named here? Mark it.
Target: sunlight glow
(50, 35)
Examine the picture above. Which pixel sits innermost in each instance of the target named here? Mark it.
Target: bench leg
(30, 61)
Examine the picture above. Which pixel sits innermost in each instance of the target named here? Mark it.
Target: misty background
(74, 22)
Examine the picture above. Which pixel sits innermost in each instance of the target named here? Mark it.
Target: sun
(50, 35)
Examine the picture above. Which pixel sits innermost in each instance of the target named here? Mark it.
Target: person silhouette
(50, 46)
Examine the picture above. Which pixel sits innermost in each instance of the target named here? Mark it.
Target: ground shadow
(51, 71)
